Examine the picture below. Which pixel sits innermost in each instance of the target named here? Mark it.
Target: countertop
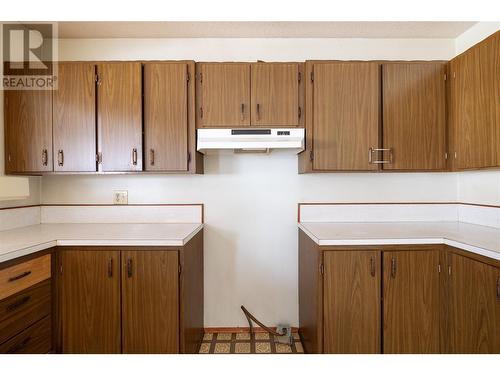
(470, 237)
(26, 240)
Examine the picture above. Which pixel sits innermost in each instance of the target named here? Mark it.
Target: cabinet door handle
(300, 113)
(134, 156)
(372, 150)
(15, 305)
(152, 157)
(60, 158)
(129, 267)
(372, 266)
(393, 268)
(110, 267)
(45, 157)
(258, 111)
(21, 276)
(242, 111)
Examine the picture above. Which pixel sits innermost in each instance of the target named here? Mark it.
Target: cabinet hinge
(189, 157)
(322, 268)
(98, 158)
(311, 155)
(300, 77)
(188, 77)
(201, 112)
(312, 76)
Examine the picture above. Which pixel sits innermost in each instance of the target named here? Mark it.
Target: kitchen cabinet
(275, 94)
(223, 91)
(343, 116)
(474, 306)
(411, 301)
(169, 118)
(28, 131)
(90, 301)
(150, 301)
(352, 302)
(74, 123)
(414, 116)
(475, 103)
(119, 116)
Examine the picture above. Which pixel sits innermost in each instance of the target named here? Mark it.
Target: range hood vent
(249, 140)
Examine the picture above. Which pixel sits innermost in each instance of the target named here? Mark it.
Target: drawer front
(34, 340)
(21, 310)
(23, 275)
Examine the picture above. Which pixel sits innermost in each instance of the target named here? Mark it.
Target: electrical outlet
(120, 197)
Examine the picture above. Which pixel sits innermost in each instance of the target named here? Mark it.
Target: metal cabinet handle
(372, 266)
(242, 111)
(134, 156)
(45, 157)
(129, 267)
(110, 267)
(19, 346)
(15, 305)
(372, 150)
(60, 158)
(21, 276)
(152, 157)
(258, 111)
(393, 268)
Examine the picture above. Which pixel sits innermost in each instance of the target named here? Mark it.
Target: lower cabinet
(397, 299)
(131, 300)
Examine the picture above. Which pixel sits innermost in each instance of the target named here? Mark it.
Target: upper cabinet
(119, 116)
(243, 95)
(223, 95)
(74, 118)
(414, 116)
(275, 94)
(475, 106)
(169, 118)
(28, 131)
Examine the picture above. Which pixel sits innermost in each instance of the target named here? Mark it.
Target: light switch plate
(120, 197)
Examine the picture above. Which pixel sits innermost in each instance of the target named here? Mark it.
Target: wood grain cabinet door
(166, 116)
(150, 301)
(474, 306)
(74, 118)
(28, 131)
(346, 111)
(351, 302)
(90, 301)
(411, 303)
(224, 94)
(275, 94)
(119, 116)
(414, 116)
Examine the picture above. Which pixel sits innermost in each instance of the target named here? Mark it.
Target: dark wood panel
(28, 131)
(414, 115)
(192, 295)
(34, 340)
(224, 99)
(474, 306)
(411, 303)
(74, 118)
(150, 301)
(119, 116)
(275, 94)
(310, 295)
(166, 116)
(351, 302)
(90, 294)
(346, 115)
(21, 310)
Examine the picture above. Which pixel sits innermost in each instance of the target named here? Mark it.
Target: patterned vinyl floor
(244, 343)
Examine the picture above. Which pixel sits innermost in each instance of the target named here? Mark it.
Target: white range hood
(250, 140)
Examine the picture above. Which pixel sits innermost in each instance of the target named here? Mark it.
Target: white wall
(251, 200)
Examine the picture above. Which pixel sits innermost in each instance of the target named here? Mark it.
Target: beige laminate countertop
(470, 237)
(26, 240)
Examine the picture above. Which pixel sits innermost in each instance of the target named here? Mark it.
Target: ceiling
(262, 29)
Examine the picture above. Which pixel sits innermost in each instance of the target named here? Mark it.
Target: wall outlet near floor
(120, 197)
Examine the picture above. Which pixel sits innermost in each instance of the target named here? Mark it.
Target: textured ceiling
(262, 29)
